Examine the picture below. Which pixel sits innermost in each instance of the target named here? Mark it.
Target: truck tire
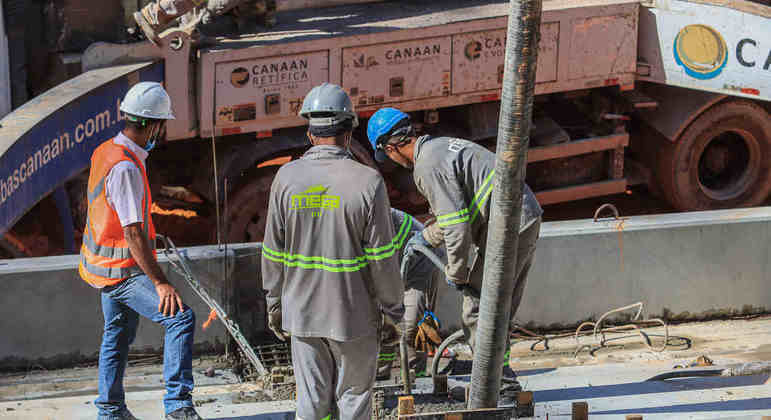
(248, 207)
(722, 160)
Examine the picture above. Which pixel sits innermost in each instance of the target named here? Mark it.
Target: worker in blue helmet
(455, 176)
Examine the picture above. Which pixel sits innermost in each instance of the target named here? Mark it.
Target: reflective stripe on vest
(105, 257)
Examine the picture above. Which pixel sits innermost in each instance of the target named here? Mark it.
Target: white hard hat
(147, 100)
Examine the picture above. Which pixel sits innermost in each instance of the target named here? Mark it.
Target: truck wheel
(720, 161)
(248, 207)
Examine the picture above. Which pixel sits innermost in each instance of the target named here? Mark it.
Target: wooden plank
(578, 147)
(577, 192)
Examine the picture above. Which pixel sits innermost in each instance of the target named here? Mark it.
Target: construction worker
(329, 263)
(157, 16)
(419, 275)
(118, 258)
(455, 176)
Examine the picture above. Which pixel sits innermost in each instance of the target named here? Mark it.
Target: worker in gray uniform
(420, 278)
(455, 176)
(329, 264)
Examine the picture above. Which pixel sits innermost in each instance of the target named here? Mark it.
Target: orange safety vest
(105, 258)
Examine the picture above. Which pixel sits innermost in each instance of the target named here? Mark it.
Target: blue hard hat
(380, 126)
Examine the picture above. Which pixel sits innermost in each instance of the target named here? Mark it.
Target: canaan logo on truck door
(701, 51)
(239, 77)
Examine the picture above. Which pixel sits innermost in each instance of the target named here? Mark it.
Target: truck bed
(415, 55)
(372, 18)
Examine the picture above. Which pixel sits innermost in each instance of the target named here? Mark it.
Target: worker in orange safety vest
(118, 258)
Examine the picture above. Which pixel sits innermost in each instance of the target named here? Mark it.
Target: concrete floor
(612, 383)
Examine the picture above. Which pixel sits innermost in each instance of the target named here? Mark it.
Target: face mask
(153, 140)
(150, 145)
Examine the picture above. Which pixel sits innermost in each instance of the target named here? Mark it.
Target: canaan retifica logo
(473, 50)
(701, 51)
(239, 77)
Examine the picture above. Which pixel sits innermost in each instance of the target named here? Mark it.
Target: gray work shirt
(330, 250)
(456, 177)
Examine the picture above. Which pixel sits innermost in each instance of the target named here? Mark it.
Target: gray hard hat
(327, 98)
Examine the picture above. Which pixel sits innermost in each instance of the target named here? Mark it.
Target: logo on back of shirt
(316, 199)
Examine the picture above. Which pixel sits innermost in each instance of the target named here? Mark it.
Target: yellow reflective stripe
(454, 221)
(315, 266)
(484, 184)
(398, 240)
(450, 215)
(335, 261)
(479, 200)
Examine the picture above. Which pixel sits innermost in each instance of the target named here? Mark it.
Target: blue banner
(60, 145)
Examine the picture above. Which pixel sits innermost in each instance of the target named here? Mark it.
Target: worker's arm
(273, 249)
(126, 190)
(383, 261)
(170, 301)
(444, 195)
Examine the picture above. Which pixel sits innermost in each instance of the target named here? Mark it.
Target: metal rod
(216, 188)
(506, 207)
(179, 264)
(405, 366)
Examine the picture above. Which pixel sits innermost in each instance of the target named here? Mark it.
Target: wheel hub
(725, 165)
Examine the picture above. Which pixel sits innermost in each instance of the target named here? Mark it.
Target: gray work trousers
(525, 253)
(330, 373)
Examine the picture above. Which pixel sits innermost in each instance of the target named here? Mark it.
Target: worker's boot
(152, 22)
(184, 413)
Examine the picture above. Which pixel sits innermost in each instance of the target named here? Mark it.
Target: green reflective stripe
(316, 266)
(332, 261)
(481, 203)
(479, 200)
(333, 264)
(398, 240)
(109, 272)
(454, 221)
(484, 185)
(387, 354)
(105, 251)
(450, 215)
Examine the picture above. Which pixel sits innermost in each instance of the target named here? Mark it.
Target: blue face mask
(150, 145)
(153, 140)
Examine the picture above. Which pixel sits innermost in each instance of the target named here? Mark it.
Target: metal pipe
(506, 207)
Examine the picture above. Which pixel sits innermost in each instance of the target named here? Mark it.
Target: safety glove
(274, 322)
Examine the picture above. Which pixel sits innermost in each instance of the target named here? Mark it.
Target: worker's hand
(170, 301)
(274, 322)
(433, 235)
(457, 281)
(391, 333)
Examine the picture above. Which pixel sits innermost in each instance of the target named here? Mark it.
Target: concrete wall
(48, 314)
(5, 77)
(688, 266)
